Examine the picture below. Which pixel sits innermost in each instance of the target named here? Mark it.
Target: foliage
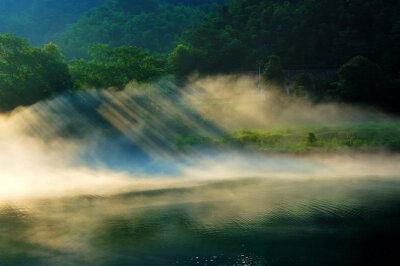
(41, 20)
(235, 37)
(193, 2)
(29, 74)
(273, 73)
(183, 60)
(311, 138)
(362, 80)
(304, 33)
(326, 90)
(359, 137)
(303, 84)
(139, 23)
(137, 6)
(114, 67)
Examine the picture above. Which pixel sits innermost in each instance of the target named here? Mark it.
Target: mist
(106, 141)
(199, 132)
(92, 177)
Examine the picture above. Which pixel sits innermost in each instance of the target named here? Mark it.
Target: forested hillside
(41, 20)
(304, 33)
(358, 39)
(151, 24)
(108, 43)
(193, 2)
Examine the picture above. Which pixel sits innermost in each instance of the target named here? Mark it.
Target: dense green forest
(29, 74)
(193, 2)
(41, 20)
(108, 43)
(304, 33)
(143, 23)
(115, 67)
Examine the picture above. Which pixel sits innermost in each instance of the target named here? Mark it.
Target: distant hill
(192, 2)
(155, 25)
(41, 20)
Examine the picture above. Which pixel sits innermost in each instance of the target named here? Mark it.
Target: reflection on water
(241, 222)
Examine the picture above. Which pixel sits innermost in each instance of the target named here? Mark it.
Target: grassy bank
(334, 138)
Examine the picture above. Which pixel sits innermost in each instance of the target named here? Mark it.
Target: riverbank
(365, 137)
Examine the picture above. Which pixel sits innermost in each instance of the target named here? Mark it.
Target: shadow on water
(243, 222)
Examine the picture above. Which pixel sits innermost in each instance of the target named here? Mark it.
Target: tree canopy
(141, 23)
(304, 33)
(362, 80)
(273, 72)
(358, 38)
(29, 74)
(41, 20)
(114, 67)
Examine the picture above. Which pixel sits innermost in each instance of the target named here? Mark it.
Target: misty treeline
(356, 39)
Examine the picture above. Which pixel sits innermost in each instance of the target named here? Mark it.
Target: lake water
(248, 221)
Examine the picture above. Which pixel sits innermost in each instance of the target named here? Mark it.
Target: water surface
(250, 221)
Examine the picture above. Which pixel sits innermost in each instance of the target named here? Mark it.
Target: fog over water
(105, 138)
(93, 177)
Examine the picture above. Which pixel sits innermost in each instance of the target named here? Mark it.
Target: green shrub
(311, 138)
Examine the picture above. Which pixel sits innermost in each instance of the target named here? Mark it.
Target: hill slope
(304, 33)
(41, 20)
(151, 24)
